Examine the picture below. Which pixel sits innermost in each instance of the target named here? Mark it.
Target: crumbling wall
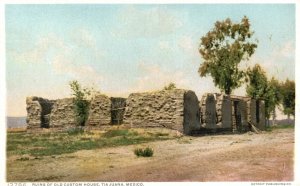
(38, 110)
(239, 114)
(117, 110)
(99, 111)
(191, 113)
(162, 109)
(251, 111)
(208, 111)
(223, 110)
(63, 114)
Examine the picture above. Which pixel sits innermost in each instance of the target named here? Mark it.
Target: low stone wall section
(251, 111)
(223, 110)
(63, 114)
(208, 111)
(239, 114)
(99, 111)
(38, 110)
(117, 109)
(165, 108)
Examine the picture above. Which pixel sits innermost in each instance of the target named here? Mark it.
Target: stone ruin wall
(175, 109)
(117, 110)
(157, 109)
(100, 111)
(38, 110)
(208, 111)
(162, 109)
(239, 113)
(230, 113)
(44, 113)
(224, 110)
(62, 114)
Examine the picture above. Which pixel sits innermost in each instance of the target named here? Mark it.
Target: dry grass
(267, 156)
(56, 143)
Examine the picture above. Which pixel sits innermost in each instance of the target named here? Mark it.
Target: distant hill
(15, 122)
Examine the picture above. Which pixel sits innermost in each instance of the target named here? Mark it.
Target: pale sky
(120, 49)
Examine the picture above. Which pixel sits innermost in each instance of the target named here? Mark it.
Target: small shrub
(81, 103)
(147, 152)
(171, 86)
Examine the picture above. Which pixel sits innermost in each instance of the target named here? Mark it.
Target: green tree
(259, 87)
(288, 97)
(222, 49)
(81, 103)
(272, 97)
(171, 86)
(257, 82)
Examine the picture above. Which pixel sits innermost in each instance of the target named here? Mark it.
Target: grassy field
(77, 155)
(57, 143)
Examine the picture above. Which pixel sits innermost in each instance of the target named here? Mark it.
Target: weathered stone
(239, 114)
(224, 110)
(208, 111)
(63, 114)
(191, 112)
(251, 111)
(175, 109)
(117, 110)
(38, 110)
(100, 111)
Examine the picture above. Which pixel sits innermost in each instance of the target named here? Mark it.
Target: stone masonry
(239, 114)
(251, 111)
(100, 111)
(208, 111)
(38, 110)
(167, 108)
(223, 109)
(62, 114)
(176, 109)
(117, 110)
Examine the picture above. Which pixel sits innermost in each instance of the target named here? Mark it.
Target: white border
(3, 81)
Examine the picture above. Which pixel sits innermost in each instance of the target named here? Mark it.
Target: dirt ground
(268, 156)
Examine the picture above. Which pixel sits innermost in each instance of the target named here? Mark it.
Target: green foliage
(273, 97)
(223, 49)
(81, 103)
(57, 143)
(147, 152)
(259, 87)
(288, 97)
(171, 86)
(257, 82)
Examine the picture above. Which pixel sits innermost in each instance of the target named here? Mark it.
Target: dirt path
(247, 157)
